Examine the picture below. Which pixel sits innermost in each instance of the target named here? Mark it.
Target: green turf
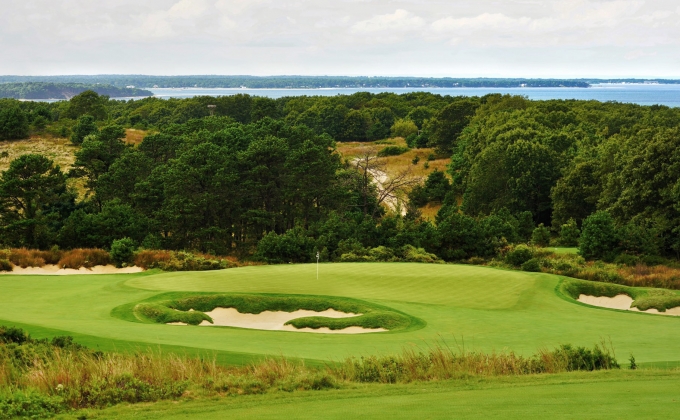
(481, 308)
(190, 308)
(593, 395)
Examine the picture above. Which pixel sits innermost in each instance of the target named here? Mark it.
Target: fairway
(475, 307)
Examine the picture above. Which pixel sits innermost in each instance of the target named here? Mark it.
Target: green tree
(13, 123)
(87, 103)
(122, 251)
(569, 233)
(449, 123)
(541, 236)
(599, 239)
(98, 153)
(29, 189)
(403, 128)
(83, 128)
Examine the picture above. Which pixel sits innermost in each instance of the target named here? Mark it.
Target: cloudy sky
(525, 38)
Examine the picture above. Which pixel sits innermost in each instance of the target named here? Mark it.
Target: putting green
(480, 308)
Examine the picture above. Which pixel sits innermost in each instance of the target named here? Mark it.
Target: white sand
(54, 270)
(275, 321)
(622, 302)
(617, 302)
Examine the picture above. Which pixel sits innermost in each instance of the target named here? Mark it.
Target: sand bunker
(54, 270)
(275, 321)
(622, 302)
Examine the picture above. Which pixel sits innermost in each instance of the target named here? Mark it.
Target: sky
(456, 38)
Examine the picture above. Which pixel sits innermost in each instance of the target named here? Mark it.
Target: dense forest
(50, 90)
(262, 178)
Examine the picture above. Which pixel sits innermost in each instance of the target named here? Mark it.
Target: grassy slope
(593, 395)
(486, 308)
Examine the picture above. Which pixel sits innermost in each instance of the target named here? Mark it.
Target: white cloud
(420, 37)
(400, 20)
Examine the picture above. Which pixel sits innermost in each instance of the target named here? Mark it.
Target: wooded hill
(49, 90)
(263, 176)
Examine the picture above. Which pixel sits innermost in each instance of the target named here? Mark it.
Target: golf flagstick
(317, 265)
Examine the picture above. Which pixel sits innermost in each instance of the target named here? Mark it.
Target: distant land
(64, 87)
(53, 90)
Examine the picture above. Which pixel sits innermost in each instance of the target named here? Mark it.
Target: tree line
(262, 177)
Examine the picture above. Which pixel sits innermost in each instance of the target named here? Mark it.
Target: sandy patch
(622, 302)
(177, 323)
(54, 270)
(275, 321)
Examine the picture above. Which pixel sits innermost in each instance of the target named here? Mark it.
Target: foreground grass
(40, 377)
(585, 395)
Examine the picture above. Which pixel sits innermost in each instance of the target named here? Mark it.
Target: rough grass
(182, 261)
(372, 315)
(40, 378)
(395, 164)
(644, 298)
(134, 136)
(60, 150)
(84, 257)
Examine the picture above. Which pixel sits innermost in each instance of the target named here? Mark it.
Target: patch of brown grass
(60, 150)
(396, 164)
(133, 136)
(656, 276)
(88, 258)
(149, 258)
(429, 212)
(32, 257)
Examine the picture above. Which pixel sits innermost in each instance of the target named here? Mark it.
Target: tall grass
(37, 375)
(84, 257)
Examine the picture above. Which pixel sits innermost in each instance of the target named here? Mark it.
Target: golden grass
(134, 136)
(83, 378)
(60, 150)
(656, 276)
(395, 164)
(88, 258)
(429, 212)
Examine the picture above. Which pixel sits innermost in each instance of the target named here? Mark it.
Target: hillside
(48, 90)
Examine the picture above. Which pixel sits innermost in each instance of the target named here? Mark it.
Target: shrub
(122, 251)
(382, 253)
(148, 259)
(569, 233)
(599, 238)
(5, 265)
(30, 404)
(292, 246)
(413, 254)
(13, 335)
(87, 258)
(393, 151)
(541, 236)
(412, 141)
(532, 265)
(519, 255)
(404, 128)
(181, 261)
(26, 258)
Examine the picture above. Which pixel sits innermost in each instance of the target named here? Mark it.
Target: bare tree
(376, 180)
